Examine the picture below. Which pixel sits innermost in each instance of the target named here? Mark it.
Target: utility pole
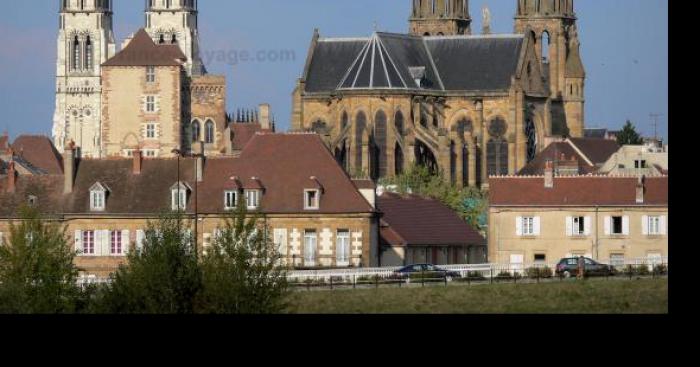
(655, 121)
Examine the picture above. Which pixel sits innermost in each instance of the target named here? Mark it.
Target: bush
(661, 269)
(539, 272)
(475, 275)
(506, 275)
(642, 270)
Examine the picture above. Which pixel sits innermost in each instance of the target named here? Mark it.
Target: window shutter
(607, 225)
(126, 244)
(536, 221)
(105, 245)
(587, 226)
(140, 237)
(626, 225)
(569, 226)
(662, 225)
(645, 225)
(79, 242)
(519, 226)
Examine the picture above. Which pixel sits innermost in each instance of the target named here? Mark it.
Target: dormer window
(178, 196)
(312, 199)
(252, 198)
(230, 200)
(98, 197)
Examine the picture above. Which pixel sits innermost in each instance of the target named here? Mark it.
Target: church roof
(574, 66)
(395, 61)
(142, 51)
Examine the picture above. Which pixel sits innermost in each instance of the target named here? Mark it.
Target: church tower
(553, 24)
(440, 17)
(175, 22)
(85, 41)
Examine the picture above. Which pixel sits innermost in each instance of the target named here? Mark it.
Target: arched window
(360, 126)
(531, 135)
(398, 160)
(76, 54)
(344, 121)
(497, 148)
(398, 122)
(453, 162)
(209, 132)
(196, 128)
(425, 157)
(88, 53)
(380, 140)
(545, 47)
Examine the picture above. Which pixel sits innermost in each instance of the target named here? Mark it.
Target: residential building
(648, 160)
(572, 156)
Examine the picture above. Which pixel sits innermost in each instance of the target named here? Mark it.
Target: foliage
(161, 278)
(469, 203)
(539, 272)
(37, 272)
(240, 272)
(661, 269)
(629, 135)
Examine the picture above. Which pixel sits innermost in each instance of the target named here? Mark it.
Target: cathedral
(466, 105)
(154, 95)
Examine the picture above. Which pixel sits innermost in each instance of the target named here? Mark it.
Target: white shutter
(587, 226)
(79, 242)
(607, 225)
(140, 238)
(626, 225)
(662, 225)
(105, 244)
(126, 243)
(569, 226)
(537, 222)
(645, 225)
(519, 226)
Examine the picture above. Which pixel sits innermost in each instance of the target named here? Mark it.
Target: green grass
(631, 297)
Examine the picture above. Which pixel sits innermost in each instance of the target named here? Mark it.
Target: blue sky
(624, 49)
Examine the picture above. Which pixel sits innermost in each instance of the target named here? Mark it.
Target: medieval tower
(553, 24)
(85, 41)
(175, 22)
(440, 17)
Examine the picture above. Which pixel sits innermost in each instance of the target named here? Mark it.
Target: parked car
(568, 267)
(427, 271)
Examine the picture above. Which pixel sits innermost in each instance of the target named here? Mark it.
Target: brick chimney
(11, 178)
(640, 189)
(69, 168)
(137, 162)
(549, 175)
(198, 150)
(265, 121)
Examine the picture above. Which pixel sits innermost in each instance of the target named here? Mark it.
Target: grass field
(635, 296)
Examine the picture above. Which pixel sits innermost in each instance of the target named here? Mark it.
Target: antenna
(655, 122)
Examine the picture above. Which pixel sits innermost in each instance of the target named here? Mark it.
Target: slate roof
(39, 152)
(283, 165)
(412, 220)
(576, 191)
(142, 51)
(457, 63)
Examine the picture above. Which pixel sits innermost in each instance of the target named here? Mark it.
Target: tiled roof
(142, 51)
(39, 152)
(576, 191)
(415, 221)
(597, 151)
(244, 132)
(283, 165)
(554, 153)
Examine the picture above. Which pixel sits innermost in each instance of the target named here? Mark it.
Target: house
(315, 213)
(415, 229)
(572, 156)
(541, 219)
(648, 159)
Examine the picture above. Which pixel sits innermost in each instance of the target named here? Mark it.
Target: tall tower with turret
(440, 17)
(553, 24)
(85, 41)
(175, 22)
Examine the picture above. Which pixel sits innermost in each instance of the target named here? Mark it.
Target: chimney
(265, 116)
(11, 178)
(640, 189)
(69, 168)
(138, 161)
(548, 175)
(199, 154)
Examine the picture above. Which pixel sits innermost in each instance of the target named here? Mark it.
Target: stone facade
(440, 17)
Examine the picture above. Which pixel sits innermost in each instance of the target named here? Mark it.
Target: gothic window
(195, 131)
(453, 162)
(545, 46)
(425, 157)
(209, 132)
(360, 125)
(398, 122)
(76, 54)
(465, 165)
(463, 126)
(341, 155)
(319, 127)
(380, 140)
(398, 160)
(498, 127)
(88, 53)
(344, 121)
(531, 135)
(497, 156)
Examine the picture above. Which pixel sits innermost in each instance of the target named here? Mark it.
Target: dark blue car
(427, 271)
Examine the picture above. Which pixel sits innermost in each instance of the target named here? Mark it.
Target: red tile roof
(244, 132)
(597, 151)
(576, 191)
(554, 153)
(416, 221)
(40, 152)
(142, 51)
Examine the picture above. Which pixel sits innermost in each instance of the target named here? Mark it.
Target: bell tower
(175, 22)
(85, 41)
(440, 17)
(553, 25)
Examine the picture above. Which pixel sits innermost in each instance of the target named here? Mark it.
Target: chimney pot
(69, 168)
(548, 175)
(265, 122)
(640, 188)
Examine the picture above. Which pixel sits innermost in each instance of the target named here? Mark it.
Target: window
(280, 241)
(150, 74)
(97, 200)
(654, 225)
(527, 226)
(311, 199)
(179, 197)
(640, 164)
(579, 226)
(617, 225)
(150, 153)
(115, 243)
(209, 132)
(150, 103)
(150, 131)
(540, 258)
(88, 242)
(230, 200)
(617, 259)
(252, 198)
(310, 247)
(342, 248)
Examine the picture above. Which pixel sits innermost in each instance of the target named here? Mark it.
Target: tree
(37, 272)
(161, 278)
(629, 135)
(240, 272)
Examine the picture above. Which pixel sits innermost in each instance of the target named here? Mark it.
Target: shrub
(642, 270)
(661, 269)
(539, 272)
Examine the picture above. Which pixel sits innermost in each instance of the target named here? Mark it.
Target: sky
(624, 46)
